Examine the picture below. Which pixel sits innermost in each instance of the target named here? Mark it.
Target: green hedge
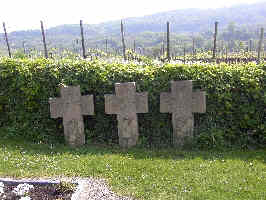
(235, 114)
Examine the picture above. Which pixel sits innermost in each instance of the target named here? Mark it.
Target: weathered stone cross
(126, 104)
(71, 106)
(182, 103)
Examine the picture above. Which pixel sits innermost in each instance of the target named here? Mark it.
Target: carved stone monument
(71, 106)
(182, 103)
(126, 104)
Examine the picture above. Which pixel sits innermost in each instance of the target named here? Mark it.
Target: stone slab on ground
(87, 188)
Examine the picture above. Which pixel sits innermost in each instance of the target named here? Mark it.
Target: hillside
(148, 30)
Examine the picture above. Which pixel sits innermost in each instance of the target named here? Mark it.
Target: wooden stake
(260, 43)
(82, 40)
(215, 40)
(250, 45)
(222, 49)
(106, 47)
(7, 44)
(226, 52)
(184, 53)
(44, 41)
(140, 50)
(24, 48)
(168, 43)
(123, 41)
(163, 49)
(193, 48)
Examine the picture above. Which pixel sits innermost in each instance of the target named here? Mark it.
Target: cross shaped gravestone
(126, 104)
(71, 106)
(182, 103)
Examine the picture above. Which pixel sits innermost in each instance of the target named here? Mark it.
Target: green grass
(144, 173)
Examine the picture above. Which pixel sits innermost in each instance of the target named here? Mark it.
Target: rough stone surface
(94, 189)
(182, 103)
(87, 188)
(71, 106)
(126, 104)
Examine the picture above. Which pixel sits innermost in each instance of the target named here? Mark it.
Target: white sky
(26, 14)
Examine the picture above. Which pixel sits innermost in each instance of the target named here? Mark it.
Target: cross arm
(142, 102)
(165, 102)
(56, 107)
(199, 102)
(111, 104)
(87, 106)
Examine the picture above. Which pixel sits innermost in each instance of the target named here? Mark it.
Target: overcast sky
(24, 15)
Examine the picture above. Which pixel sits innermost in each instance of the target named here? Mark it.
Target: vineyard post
(140, 51)
(215, 41)
(74, 45)
(7, 44)
(106, 46)
(184, 54)
(250, 45)
(96, 49)
(163, 49)
(193, 48)
(24, 48)
(44, 41)
(260, 44)
(134, 46)
(168, 42)
(82, 40)
(226, 52)
(222, 49)
(123, 41)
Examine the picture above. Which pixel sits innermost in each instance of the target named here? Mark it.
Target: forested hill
(194, 20)
(246, 17)
(185, 20)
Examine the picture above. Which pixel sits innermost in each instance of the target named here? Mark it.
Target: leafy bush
(236, 100)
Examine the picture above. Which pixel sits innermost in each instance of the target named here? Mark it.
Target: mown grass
(144, 173)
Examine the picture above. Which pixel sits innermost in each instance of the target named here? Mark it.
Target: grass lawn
(144, 173)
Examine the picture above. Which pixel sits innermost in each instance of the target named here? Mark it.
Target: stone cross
(182, 103)
(126, 104)
(71, 106)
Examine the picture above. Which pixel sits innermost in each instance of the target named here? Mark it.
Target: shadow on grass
(136, 153)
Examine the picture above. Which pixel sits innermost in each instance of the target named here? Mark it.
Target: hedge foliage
(236, 100)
